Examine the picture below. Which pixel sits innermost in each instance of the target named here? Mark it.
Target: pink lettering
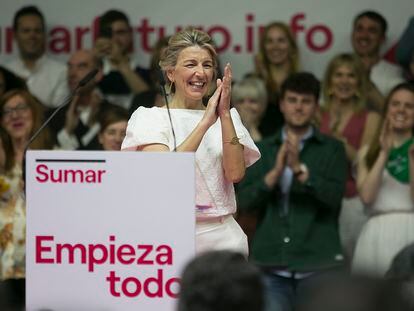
(40, 249)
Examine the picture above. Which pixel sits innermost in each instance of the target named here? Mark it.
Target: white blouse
(214, 194)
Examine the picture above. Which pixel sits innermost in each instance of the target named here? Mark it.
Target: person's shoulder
(148, 113)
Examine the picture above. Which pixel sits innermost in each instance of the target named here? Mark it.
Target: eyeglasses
(19, 109)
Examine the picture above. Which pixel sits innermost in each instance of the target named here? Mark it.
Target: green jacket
(306, 239)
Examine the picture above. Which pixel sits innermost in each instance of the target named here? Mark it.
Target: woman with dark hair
(113, 123)
(386, 187)
(21, 114)
(223, 147)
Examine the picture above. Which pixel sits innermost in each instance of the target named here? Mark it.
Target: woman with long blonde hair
(345, 117)
(278, 57)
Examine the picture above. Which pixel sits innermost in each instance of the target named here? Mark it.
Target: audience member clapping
(385, 174)
(76, 125)
(346, 118)
(122, 76)
(297, 189)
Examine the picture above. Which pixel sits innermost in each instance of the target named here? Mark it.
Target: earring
(170, 87)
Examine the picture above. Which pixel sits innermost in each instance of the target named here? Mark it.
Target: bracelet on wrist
(234, 141)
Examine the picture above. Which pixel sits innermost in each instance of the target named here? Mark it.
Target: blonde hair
(188, 37)
(352, 61)
(250, 88)
(293, 55)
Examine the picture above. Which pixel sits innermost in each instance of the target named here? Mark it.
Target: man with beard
(76, 126)
(44, 76)
(296, 188)
(368, 35)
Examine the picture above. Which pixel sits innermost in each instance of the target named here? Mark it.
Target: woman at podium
(223, 147)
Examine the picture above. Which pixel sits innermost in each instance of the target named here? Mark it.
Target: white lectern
(107, 230)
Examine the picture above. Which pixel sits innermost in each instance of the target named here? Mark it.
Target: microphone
(162, 82)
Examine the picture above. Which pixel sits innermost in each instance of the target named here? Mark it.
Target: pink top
(353, 132)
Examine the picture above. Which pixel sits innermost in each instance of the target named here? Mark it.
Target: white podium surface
(107, 230)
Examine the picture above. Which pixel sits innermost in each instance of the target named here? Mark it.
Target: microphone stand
(85, 80)
(162, 87)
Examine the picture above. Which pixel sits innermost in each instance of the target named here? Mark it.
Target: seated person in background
(278, 57)
(368, 35)
(76, 126)
(297, 189)
(113, 123)
(9, 81)
(44, 76)
(221, 281)
(249, 97)
(385, 184)
(122, 77)
(345, 117)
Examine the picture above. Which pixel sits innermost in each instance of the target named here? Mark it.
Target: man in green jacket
(296, 189)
